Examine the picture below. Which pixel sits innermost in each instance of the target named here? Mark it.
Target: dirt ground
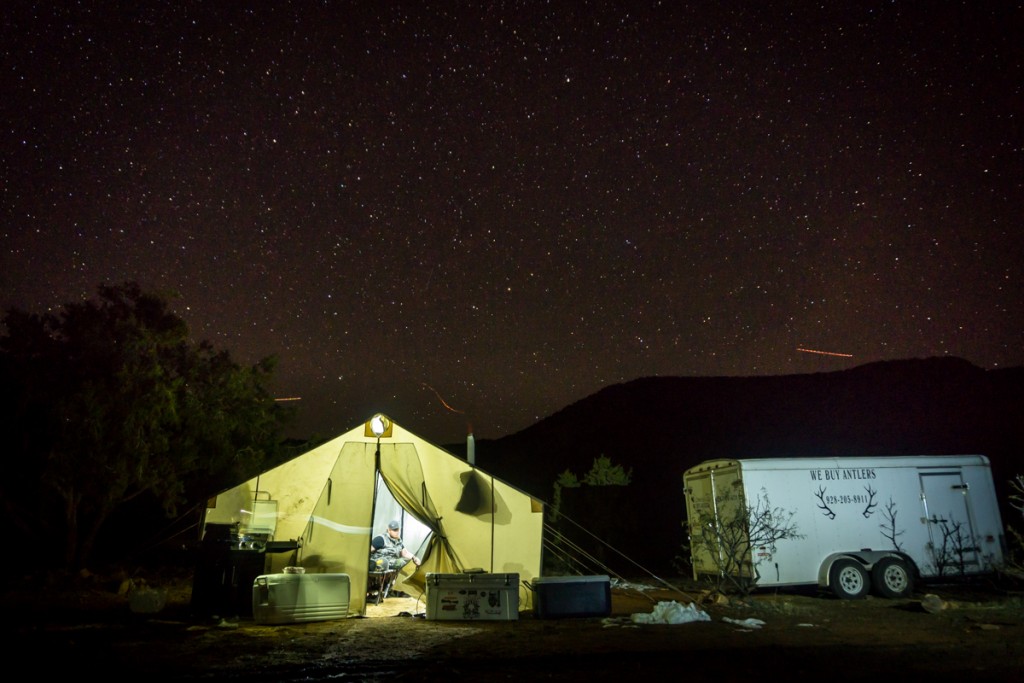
(946, 632)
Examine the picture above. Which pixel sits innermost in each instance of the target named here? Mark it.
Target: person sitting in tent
(388, 553)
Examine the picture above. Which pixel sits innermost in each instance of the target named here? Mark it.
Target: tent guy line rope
(600, 564)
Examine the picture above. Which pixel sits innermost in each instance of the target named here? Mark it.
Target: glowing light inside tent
(380, 425)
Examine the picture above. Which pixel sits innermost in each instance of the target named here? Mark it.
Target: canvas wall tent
(325, 500)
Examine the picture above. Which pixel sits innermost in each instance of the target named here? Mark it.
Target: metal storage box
(572, 596)
(291, 598)
(472, 597)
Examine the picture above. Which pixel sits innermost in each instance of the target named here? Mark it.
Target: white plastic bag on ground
(745, 623)
(671, 613)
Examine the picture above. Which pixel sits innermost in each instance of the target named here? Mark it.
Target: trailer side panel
(940, 512)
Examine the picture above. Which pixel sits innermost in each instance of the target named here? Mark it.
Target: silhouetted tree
(109, 400)
(591, 523)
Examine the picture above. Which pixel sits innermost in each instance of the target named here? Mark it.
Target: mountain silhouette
(658, 427)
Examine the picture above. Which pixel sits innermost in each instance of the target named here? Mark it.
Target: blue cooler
(556, 597)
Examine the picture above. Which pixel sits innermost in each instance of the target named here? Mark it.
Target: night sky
(479, 213)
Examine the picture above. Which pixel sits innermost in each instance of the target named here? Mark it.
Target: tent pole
(373, 510)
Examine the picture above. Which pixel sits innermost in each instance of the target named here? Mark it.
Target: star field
(483, 212)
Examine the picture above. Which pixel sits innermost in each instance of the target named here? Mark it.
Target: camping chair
(379, 583)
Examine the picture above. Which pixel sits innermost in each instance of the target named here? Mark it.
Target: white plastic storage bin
(472, 597)
(291, 598)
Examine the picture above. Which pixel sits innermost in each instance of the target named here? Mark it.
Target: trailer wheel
(892, 578)
(848, 579)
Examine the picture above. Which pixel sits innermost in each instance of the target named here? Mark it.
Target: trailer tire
(848, 579)
(892, 578)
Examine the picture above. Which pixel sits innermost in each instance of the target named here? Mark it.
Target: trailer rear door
(953, 545)
(713, 494)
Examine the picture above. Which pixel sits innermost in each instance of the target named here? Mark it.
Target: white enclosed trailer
(852, 524)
